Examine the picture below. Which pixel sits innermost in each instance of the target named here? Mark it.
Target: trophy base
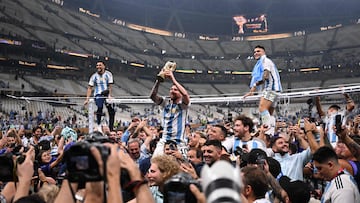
(160, 78)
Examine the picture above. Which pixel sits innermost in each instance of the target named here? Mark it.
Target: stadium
(49, 50)
(179, 101)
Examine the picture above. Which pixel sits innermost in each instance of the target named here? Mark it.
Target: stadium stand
(73, 31)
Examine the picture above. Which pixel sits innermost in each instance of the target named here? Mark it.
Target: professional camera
(221, 182)
(176, 189)
(81, 164)
(8, 167)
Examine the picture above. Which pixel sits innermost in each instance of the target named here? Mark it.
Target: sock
(269, 121)
(265, 118)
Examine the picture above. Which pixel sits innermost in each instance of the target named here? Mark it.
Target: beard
(281, 151)
(100, 71)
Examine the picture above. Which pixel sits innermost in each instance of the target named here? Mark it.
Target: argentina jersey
(249, 145)
(101, 82)
(273, 83)
(174, 119)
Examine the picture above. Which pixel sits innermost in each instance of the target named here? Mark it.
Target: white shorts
(270, 95)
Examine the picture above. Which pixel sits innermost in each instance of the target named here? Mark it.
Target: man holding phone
(329, 118)
(243, 126)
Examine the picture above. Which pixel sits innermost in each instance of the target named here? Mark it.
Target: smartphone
(338, 122)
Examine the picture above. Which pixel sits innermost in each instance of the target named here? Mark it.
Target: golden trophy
(170, 65)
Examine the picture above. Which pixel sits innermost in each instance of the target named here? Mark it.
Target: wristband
(306, 131)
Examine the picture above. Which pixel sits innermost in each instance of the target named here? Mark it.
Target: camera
(239, 151)
(243, 155)
(7, 168)
(81, 164)
(176, 189)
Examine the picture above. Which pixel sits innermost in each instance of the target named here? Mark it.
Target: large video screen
(247, 25)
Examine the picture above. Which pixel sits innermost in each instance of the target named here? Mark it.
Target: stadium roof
(215, 16)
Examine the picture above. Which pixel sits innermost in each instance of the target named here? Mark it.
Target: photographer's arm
(9, 191)
(25, 172)
(142, 191)
(66, 194)
(95, 192)
(154, 91)
(200, 196)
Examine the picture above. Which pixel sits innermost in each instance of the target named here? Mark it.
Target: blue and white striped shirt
(174, 119)
(273, 83)
(101, 82)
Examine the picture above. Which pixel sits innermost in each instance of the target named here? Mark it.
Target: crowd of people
(314, 160)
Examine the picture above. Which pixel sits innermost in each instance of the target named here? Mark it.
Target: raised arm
(356, 124)
(154, 93)
(350, 143)
(182, 90)
(25, 172)
(350, 105)
(319, 107)
(310, 129)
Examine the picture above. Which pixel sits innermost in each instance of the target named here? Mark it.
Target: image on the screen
(250, 25)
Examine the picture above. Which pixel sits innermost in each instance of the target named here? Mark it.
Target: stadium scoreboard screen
(244, 25)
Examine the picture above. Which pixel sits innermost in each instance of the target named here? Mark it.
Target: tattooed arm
(350, 143)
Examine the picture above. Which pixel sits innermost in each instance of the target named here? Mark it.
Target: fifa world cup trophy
(170, 65)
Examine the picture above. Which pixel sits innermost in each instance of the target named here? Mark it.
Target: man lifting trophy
(170, 65)
(174, 109)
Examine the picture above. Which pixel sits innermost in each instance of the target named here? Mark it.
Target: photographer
(24, 173)
(116, 161)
